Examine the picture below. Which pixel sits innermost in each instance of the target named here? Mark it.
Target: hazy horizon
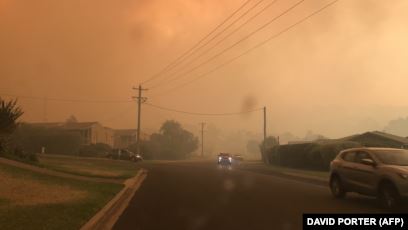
(339, 73)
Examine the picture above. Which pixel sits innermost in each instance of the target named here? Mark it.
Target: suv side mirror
(367, 161)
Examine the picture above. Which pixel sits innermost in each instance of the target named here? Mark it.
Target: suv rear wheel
(388, 196)
(336, 188)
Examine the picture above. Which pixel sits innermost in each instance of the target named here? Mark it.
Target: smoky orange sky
(341, 72)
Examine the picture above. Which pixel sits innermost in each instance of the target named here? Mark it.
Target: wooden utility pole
(202, 138)
(140, 100)
(264, 131)
(45, 109)
(264, 158)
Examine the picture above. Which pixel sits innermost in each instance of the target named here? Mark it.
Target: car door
(346, 170)
(364, 175)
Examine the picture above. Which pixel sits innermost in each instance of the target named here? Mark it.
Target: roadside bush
(313, 156)
(20, 155)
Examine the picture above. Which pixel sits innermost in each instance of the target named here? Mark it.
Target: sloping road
(198, 195)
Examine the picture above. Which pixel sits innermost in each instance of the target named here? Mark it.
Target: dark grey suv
(381, 172)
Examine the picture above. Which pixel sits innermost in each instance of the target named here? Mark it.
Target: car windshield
(393, 157)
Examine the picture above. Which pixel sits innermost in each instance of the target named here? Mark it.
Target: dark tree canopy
(398, 127)
(171, 143)
(9, 113)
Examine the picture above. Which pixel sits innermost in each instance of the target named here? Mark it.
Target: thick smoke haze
(341, 72)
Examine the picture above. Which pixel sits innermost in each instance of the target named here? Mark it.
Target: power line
(175, 62)
(251, 49)
(201, 114)
(65, 99)
(214, 37)
(220, 41)
(239, 41)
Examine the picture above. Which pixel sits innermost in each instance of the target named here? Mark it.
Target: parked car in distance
(137, 157)
(380, 172)
(124, 154)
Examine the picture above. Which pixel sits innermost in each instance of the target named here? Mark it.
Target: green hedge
(31, 139)
(313, 156)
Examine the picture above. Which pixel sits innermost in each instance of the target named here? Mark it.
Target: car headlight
(403, 175)
(230, 159)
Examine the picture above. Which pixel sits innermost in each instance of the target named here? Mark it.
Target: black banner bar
(355, 221)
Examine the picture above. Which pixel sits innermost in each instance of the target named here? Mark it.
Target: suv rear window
(348, 156)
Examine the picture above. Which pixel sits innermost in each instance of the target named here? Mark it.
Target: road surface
(198, 195)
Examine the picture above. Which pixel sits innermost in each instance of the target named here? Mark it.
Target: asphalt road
(199, 195)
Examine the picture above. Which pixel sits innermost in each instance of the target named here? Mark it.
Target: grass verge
(261, 167)
(91, 167)
(37, 201)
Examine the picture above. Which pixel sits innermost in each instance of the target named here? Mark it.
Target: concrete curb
(110, 213)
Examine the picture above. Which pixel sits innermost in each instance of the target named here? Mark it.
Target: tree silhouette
(9, 114)
(172, 142)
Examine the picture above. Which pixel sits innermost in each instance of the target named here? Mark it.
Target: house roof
(349, 138)
(395, 138)
(48, 124)
(65, 125)
(391, 136)
(79, 125)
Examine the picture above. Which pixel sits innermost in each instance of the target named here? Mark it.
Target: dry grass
(24, 191)
(86, 169)
(95, 167)
(37, 201)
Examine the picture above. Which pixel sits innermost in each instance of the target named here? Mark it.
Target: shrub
(313, 156)
(19, 154)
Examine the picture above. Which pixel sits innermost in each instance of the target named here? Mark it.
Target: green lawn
(30, 200)
(92, 167)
